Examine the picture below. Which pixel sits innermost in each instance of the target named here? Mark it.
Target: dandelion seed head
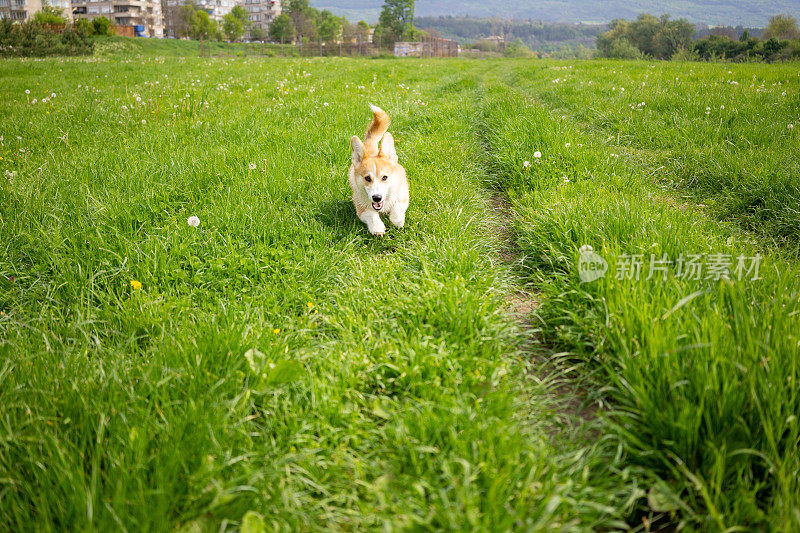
(193, 221)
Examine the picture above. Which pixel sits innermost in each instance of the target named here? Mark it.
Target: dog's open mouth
(377, 206)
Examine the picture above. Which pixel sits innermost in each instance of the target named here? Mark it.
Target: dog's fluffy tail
(378, 126)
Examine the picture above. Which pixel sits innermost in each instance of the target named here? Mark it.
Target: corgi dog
(378, 181)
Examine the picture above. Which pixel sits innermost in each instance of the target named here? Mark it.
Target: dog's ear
(387, 147)
(358, 149)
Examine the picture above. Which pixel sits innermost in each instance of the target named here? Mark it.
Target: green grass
(703, 373)
(119, 47)
(279, 365)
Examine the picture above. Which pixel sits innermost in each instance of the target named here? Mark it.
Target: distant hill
(714, 12)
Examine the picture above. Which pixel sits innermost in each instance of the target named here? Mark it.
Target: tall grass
(702, 374)
(726, 134)
(279, 367)
(276, 364)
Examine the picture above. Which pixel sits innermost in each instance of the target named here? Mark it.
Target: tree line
(665, 38)
(195, 23)
(530, 32)
(300, 22)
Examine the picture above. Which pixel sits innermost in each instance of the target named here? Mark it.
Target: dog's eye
(385, 178)
(367, 179)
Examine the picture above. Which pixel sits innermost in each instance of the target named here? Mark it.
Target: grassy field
(277, 368)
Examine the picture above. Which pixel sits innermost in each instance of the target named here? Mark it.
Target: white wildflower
(537, 154)
(193, 221)
(526, 164)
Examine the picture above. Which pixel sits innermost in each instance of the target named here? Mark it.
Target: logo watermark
(590, 265)
(695, 267)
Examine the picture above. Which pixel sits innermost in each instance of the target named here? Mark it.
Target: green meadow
(277, 368)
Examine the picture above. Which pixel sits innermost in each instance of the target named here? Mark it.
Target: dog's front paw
(377, 228)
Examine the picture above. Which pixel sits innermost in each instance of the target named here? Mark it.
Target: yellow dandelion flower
(136, 285)
(310, 305)
(276, 331)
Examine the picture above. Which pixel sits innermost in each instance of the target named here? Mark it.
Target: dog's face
(378, 175)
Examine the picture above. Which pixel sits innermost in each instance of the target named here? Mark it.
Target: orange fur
(378, 126)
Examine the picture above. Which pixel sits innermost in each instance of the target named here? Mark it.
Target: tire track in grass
(571, 398)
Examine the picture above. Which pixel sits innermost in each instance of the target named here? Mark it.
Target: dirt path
(570, 398)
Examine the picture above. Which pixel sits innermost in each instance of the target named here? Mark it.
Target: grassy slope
(383, 386)
(137, 46)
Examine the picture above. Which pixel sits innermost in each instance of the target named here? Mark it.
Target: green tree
(362, 31)
(232, 26)
(203, 27)
(49, 15)
(281, 28)
(782, 28)
(329, 27)
(648, 35)
(187, 20)
(673, 35)
(242, 16)
(397, 16)
(304, 18)
(348, 31)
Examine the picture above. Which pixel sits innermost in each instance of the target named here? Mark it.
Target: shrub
(35, 39)
(49, 15)
(83, 25)
(719, 47)
(686, 55)
(518, 49)
(622, 49)
(102, 26)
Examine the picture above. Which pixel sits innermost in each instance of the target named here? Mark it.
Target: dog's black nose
(376, 197)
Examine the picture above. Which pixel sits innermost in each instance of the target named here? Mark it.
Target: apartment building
(24, 9)
(262, 13)
(145, 13)
(216, 9)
